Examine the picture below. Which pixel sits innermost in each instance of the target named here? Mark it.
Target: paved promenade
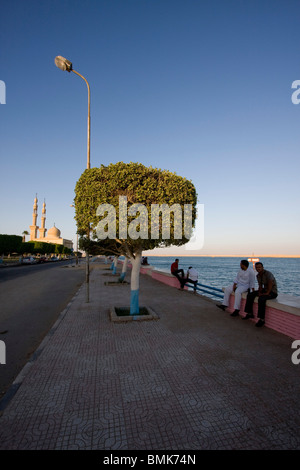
(194, 379)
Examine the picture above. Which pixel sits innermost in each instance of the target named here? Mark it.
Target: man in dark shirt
(175, 271)
(267, 289)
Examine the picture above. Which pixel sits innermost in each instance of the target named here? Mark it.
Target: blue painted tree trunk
(135, 284)
(134, 302)
(115, 262)
(124, 269)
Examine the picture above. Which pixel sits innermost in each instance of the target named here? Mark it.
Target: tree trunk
(115, 262)
(124, 269)
(135, 284)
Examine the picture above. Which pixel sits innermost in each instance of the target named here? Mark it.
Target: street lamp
(66, 65)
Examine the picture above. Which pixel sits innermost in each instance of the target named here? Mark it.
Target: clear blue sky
(198, 87)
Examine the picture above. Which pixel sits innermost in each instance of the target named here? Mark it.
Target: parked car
(41, 259)
(29, 260)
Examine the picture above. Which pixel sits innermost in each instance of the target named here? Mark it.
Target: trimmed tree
(130, 208)
(10, 244)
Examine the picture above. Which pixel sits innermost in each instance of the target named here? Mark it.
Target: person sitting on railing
(267, 289)
(243, 282)
(175, 271)
(192, 277)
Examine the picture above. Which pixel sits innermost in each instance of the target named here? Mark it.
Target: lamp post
(76, 256)
(66, 65)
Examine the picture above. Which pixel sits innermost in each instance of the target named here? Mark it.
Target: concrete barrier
(166, 278)
(282, 313)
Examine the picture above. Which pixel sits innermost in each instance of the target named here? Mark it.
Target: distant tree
(140, 225)
(10, 244)
(58, 249)
(40, 247)
(24, 235)
(27, 247)
(49, 248)
(66, 250)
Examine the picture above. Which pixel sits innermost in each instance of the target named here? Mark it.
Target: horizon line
(224, 256)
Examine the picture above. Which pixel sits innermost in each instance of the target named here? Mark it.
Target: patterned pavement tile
(188, 381)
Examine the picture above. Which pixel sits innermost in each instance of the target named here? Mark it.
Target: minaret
(43, 230)
(34, 227)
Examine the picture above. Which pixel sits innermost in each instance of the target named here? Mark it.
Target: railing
(212, 290)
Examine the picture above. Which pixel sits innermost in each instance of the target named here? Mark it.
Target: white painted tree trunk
(115, 265)
(124, 270)
(135, 284)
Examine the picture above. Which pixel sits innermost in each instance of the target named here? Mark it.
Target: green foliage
(99, 247)
(10, 244)
(27, 247)
(42, 247)
(48, 248)
(36, 247)
(66, 250)
(58, 249)
(140, 185)
(14, 244)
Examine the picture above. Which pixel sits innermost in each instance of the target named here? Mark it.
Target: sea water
(220, 271)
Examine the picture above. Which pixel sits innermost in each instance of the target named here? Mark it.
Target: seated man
(175, 271)
(192, 276)
(267, 289)
(244, 280)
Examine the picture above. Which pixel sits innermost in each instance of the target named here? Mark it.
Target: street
(31, 299)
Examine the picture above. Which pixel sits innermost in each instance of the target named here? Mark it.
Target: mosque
(53, 232)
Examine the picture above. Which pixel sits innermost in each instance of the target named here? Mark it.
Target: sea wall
(282, 313)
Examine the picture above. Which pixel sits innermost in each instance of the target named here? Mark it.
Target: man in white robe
(244, 280)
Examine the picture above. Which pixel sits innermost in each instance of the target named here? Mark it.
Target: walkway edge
(21, 376)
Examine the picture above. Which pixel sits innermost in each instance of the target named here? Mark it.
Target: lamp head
(62, 63)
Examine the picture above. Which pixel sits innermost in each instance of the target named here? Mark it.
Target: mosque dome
(54, 232)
